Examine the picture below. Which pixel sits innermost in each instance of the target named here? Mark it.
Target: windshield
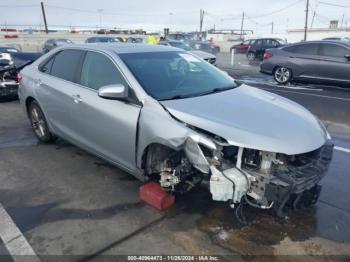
(176, 75)
(181, 45)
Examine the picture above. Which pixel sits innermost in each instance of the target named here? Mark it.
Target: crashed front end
(261, 179)
(246, 145)
(268, 180)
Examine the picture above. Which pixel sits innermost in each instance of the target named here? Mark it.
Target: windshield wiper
(217, 90)
(212, 91)
(175, 97)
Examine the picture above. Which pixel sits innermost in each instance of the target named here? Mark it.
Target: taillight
(19, 77)
(267, 55)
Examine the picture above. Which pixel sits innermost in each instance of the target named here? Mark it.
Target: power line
(112, 13)
(279, 10)
(17, 6)
(331, 4)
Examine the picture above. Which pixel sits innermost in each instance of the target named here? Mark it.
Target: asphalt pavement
(67, 202)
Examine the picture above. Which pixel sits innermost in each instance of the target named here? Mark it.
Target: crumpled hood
(252, 118)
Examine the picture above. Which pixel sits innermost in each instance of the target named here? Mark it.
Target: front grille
(306, 170)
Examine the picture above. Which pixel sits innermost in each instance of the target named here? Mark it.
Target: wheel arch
(28, 102)
(152, 148)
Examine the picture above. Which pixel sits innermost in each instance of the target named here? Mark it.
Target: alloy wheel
(282, 75)
(38, 123)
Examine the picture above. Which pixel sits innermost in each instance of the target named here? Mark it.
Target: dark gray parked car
(320, 61)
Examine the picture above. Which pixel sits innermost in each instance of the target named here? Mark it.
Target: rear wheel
(282, 75)
(39, 124)
(251, 56)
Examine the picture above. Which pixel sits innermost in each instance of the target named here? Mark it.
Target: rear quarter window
(334, 50)
(67, 65)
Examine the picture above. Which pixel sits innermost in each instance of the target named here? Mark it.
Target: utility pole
(242, 25)
(201, 18)
(272, 24)
(306, 19)
(170, 21)
(342, 21)
(44, 17)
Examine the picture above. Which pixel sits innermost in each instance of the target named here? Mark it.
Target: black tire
(282, 75)
(251, 56)
(39, 124)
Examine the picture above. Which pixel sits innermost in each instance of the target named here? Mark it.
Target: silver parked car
(210, 58)
(163, 114)
(53, 43)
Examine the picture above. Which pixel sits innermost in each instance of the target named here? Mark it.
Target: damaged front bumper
(270, 180)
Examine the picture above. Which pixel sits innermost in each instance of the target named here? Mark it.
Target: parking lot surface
(67, 202)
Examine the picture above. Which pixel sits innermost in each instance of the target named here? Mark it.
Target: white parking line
(342, 149)
(14, 241)
(309, 88)
(300, 93)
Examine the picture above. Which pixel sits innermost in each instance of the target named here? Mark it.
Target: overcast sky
(176, 14)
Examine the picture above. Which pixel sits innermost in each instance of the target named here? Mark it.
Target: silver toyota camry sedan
(165, 115)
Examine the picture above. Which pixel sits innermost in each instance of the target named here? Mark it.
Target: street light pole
(306, 19)
(242, 24)
(201, 17)
(100, 15)
(272, 25)
(170, 20)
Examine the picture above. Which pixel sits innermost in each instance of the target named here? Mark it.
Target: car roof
(326, 41)
(122, 48)
(264, 38)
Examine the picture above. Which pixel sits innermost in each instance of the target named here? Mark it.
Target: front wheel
(39, 124)
(282, 75)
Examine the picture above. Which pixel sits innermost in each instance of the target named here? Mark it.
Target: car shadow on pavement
(27, 218)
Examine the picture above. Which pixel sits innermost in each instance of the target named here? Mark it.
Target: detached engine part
(231, 184)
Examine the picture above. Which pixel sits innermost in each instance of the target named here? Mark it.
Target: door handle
(77, 99)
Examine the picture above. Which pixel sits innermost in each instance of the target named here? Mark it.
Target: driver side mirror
(347, 57)
(117, 92)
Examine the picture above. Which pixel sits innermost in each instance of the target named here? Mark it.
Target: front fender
(157, 126)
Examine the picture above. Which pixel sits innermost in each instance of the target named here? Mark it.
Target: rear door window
(334, 50)
(98, 70)
(67, 64)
